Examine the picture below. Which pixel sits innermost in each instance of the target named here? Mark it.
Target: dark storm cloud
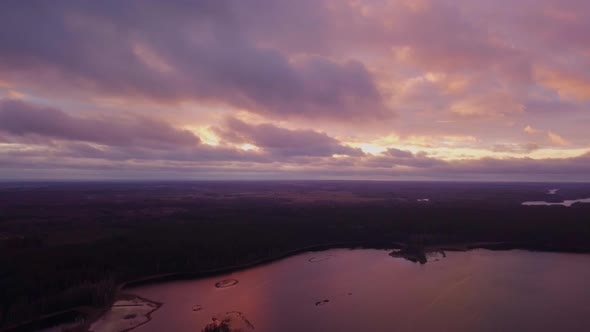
(284, 142)
(177, 50)
(18, 118)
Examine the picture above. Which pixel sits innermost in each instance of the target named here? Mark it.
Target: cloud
(530, 130)
(487, 105)
(22, 119)
(521, 167)
(440, 37)
(451, 78)
(22, 165)
(556, 139)
(199, 50)
(516, 148)
(284, 142)
(569, 83)
(393, 157)
(397, 153)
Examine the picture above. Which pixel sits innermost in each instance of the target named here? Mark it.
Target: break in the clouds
(426, 89)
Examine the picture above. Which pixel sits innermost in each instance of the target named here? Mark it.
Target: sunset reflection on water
(359, 290)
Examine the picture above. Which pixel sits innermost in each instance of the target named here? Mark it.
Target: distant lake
(368, 290)
(567, 202)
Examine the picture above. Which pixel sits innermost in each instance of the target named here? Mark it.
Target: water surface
(367, 290)
(567, 202)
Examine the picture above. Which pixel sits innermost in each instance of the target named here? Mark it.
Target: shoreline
(92, 314)
(86, 326)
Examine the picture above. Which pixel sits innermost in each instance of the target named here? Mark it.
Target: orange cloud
(530, 130)
(569, 84)
(556, 139)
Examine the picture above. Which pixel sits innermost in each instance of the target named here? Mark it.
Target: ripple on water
(321, 303)
(226, 283)
(318, 259)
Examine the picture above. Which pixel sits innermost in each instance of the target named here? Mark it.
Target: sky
(307, 89)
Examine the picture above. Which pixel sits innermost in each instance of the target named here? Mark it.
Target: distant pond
(368, 290)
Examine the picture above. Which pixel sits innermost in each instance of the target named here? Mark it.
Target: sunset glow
(311, 89)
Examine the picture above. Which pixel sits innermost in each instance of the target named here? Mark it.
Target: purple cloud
(284, 142)
(517, 148)
(197, 50)
(395, 157)
(18, 118)
(461, 76)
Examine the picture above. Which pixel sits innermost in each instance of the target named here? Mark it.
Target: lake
(567, 202)
(368, 290)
